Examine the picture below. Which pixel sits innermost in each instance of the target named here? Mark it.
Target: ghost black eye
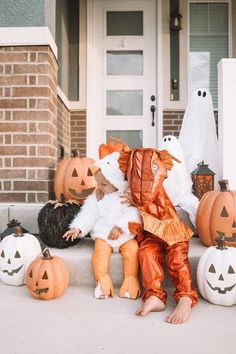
(199, 93)
(169, 139)
(165, 139)
(204, 94)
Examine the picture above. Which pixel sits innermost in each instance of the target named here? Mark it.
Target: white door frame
(91, 149)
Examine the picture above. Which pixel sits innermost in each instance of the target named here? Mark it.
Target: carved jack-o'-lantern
(47, 277)
(74, 178)
(216, 216)
(216, 274)
(17, 251)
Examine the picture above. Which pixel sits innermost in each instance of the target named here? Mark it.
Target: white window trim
(27, 36)
(81, 103)
(188, 33)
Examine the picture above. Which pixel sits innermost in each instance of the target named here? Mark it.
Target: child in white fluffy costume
(106, 216)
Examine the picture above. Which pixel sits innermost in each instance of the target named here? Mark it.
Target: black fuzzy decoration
(53, 221)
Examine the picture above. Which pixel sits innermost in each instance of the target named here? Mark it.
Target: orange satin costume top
(146, 170)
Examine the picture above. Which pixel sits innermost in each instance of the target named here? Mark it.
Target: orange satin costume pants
(152, 254)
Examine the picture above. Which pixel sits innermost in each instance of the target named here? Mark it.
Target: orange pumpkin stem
(224, 185)
(46, 254)
(75, 153)
(220, 240)
(18, 231)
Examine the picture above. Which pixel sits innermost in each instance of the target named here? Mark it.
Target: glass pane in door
(133, 138)
(124, 102)
(124, 62)
(124, 23)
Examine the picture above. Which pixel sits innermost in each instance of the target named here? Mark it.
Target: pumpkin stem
(18, 231)
(62, 198)
(220, 240)
(224, 185)
(46, 254)
(75, 153)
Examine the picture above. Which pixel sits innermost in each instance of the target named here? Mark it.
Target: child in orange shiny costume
(162, 234)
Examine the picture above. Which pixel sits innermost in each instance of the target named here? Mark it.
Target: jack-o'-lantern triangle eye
(231, 270)
(45, 276)
(3, 254)
(89, 172)
(212, 269)
(17, 255)
(31, 274)
(224, 213)
(74, 173)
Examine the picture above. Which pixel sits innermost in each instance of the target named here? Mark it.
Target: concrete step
(78, 258)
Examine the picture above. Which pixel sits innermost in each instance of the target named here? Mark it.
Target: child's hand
(115, 233)
(126, 198)
(71, 234)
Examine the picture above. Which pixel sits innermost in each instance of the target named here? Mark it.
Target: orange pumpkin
(47, 277)
(74, 178)
(216, 216)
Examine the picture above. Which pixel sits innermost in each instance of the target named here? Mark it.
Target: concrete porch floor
(77, 323)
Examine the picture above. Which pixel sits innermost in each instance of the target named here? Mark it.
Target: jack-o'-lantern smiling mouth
(228, 239)
(14, 271)
(83, 194)
(220, 290)
(40, 291)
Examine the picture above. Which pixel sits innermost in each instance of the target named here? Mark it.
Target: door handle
(153, 110)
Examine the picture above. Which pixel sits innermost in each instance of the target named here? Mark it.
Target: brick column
(78, 131)
(28, 132)
(63, 129)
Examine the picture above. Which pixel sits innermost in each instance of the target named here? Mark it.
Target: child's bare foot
(182, 311)
(152, 304)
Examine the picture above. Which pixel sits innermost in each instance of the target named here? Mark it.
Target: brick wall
(28, 131)
(78, 131)
(172, 121)
(63, 129)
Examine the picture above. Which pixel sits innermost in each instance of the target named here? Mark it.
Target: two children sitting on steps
(108, 217)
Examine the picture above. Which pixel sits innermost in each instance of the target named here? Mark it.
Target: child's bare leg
(152, 304)
(182, 311)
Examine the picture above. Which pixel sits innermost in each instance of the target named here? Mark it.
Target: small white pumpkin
(17, 251)
(216, 274)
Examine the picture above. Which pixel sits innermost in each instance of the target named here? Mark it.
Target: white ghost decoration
(178, 184)
(198, 133)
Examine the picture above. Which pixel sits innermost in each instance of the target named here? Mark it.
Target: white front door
(122, 73)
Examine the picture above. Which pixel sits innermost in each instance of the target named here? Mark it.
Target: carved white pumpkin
(216, 274)
(17, 251)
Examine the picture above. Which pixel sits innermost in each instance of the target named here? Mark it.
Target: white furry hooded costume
(178, 184)
(99, 216)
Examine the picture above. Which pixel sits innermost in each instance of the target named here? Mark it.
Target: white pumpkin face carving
(216, 275)
(17, 251)
(9, 262)
(221, 281)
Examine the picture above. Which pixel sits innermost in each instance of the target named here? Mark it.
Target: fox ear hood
(109, 167)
